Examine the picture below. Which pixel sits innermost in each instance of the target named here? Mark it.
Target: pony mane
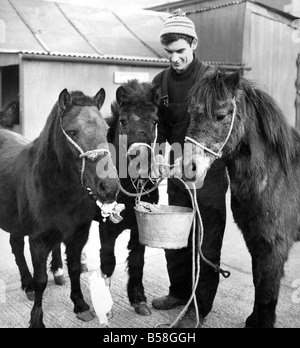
(137, 93)
(80, 99)
(264, 114)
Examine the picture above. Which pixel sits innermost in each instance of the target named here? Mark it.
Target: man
(179, 40)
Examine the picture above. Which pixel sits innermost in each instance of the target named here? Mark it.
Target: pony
(10, 115)
(48, 189)
(134, 116)
(232, 118)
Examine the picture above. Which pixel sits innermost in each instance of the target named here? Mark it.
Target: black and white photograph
(149, 166)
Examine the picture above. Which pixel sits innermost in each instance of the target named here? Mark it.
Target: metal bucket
(167, 228)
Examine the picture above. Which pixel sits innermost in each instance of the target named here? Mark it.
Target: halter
(152, 148)
(91, 155)
(143, 191)
(219, 153)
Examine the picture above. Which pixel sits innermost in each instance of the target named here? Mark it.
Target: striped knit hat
(178, 23)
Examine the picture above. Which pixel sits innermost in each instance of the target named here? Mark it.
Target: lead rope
(196, 258)
(196, 250)
(92, 155)
(138, 195)
(195, 263)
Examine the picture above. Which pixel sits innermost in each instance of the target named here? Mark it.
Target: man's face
(180, 54)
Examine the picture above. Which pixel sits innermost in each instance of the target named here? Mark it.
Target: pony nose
(108, 189)
(190, 170)
(195, 168)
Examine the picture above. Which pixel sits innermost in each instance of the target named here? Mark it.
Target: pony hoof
(110, 315)
(30, 295)
(59, 280)
(39, 326)
(85, 316)
(142, 309)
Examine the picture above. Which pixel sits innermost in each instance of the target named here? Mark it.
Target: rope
(91, 155)
(196, 258)
(217, 154)
(196, 250)
(130, 194)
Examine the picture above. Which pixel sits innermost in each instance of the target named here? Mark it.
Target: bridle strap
(92, 155)
(152, 148)
(219, 153)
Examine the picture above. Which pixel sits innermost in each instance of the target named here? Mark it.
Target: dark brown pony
(43, 191)
(134, 115)
(262, 154)
(10, 115)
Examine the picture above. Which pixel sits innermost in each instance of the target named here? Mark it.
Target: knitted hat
(178, 23)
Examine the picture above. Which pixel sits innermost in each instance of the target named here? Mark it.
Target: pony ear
(99, 98)
(232, 80)
(120, 94)
(64, 99)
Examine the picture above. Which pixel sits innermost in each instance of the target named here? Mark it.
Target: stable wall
(272, 55)
(42, 81)
(260, 39)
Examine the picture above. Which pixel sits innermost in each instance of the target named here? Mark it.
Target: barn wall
(42, 82)
(257, 37)
(270, 52)
(220, 33)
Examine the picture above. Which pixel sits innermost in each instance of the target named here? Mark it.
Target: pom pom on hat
(178, 23)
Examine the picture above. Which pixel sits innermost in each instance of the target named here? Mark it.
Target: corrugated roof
(52, 27)
(277, 14)
(106, 58)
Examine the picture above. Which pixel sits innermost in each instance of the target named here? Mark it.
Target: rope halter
(91, 155)
(152, 148)
(219, 153)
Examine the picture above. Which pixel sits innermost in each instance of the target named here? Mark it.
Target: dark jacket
(174, 121)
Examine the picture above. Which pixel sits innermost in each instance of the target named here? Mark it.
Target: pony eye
(123, 123)
(72, 134)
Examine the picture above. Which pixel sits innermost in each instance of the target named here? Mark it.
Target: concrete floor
(232, 305)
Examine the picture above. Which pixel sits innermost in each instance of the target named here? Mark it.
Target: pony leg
(57, 266)
(17, 246)
(74, 246)
(108, 233)
(135, 288)
(268, 269)
(39, 254)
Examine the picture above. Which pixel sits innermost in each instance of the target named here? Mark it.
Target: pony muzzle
(195, 168)
(107, 190)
